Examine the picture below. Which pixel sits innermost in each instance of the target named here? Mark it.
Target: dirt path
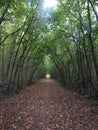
(47, 106)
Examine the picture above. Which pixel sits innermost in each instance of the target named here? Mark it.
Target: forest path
(47, 106)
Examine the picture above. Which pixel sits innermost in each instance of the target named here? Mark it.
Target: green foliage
(36, 41)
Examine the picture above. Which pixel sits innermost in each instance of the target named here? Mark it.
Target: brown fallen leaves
(47, 106)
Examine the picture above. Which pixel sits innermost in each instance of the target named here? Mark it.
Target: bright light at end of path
(48, 76)
(50, 3)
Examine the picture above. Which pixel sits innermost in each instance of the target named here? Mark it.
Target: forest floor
(47, 106)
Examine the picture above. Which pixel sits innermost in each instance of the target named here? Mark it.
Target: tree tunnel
(37, 40)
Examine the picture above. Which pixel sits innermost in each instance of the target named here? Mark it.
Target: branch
(2, 18)
(11, 34)
(94, 10)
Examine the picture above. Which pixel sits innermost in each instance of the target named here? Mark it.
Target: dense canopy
(61, 42)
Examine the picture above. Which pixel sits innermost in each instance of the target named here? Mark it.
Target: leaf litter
(47, 106)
